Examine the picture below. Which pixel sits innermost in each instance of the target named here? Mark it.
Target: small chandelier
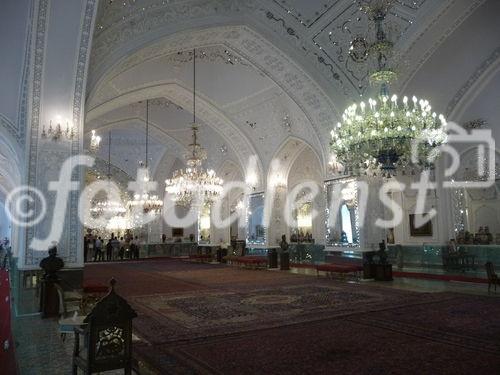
(387, 134)
(149, 203)
(95, 142)
(194, 182)
(109, 208)
(57, 133)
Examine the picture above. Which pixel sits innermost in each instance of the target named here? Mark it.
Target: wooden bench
(343, 270)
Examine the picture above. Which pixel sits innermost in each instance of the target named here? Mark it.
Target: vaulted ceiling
(273, 69)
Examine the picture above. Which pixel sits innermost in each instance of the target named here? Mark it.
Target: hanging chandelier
(194, 182)
(150, 203)
(108, 207)
(95, 142)
(387, 134)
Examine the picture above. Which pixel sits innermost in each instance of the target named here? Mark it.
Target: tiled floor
(40, 349)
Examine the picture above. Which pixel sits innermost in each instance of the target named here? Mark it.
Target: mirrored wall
(256, 232)
(204, 224)
(342, 221)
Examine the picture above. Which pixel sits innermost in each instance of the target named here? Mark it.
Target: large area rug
(211, 319)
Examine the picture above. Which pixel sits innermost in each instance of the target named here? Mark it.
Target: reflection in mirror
(303, 216)
(478, 215)
(256, 233)
(342, 224)
(204, 224)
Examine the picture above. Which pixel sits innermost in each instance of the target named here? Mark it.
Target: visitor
(86, 241)
(163, 238)
(115, 247)
(135, 254)
(109, 250)
(122, 248)
(284, 256)
(98, 250)
(131, 247)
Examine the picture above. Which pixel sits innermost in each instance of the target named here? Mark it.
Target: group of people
(112, 249)
(301, 237)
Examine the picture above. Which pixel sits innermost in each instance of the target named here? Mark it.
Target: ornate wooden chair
(107, 336)
(492, 276)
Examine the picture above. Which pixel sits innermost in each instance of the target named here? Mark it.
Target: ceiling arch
(178, 94)
(254, 48)
(289, 152)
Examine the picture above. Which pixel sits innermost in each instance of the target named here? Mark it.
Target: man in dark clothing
(109, 250)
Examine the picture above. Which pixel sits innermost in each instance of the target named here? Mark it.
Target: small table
(67, 325)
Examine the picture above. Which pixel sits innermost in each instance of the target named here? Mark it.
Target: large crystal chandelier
(108, 207)
(387, 134)
(194, 182)
(148, 202)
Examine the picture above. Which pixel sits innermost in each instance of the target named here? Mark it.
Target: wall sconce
(278, 182)
(252, 180)
(56, 133)
(95, 142)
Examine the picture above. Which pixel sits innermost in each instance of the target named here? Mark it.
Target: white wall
(13, 27)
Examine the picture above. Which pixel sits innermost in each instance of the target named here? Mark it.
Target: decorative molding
(11, 128)
(40, 25)
(25, 80)
(473, 5)
(75, 227)
(57, 154)
(261, 54)
(473, 81)
(213, 54)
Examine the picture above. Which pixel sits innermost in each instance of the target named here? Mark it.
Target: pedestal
(284, 261)
(272, 258)
(383, 272)
(369, 271)
(49, 299)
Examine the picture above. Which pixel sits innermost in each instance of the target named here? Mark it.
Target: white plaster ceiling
(169, 136)
(286, 70)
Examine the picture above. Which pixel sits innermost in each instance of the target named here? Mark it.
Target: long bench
(254, 262)
(343, 270)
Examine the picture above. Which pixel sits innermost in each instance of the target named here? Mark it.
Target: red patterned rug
(206, 319)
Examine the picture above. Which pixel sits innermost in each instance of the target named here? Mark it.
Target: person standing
(86, 241)
(109, 250)
(115, 247)
(121, 252)
(136, 248)
(98, 250)
(284, 256)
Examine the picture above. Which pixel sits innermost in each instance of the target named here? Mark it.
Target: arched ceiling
(272, 69)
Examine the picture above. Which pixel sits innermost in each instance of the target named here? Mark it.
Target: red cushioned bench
(343, 270)
(254, 262)
(201, 257)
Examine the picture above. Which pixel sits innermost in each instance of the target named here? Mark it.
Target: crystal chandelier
(194, 182)
(109, 207)
(387, 134)
(149, 203)
(95, 142)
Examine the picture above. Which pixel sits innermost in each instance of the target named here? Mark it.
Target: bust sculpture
(51, 265)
